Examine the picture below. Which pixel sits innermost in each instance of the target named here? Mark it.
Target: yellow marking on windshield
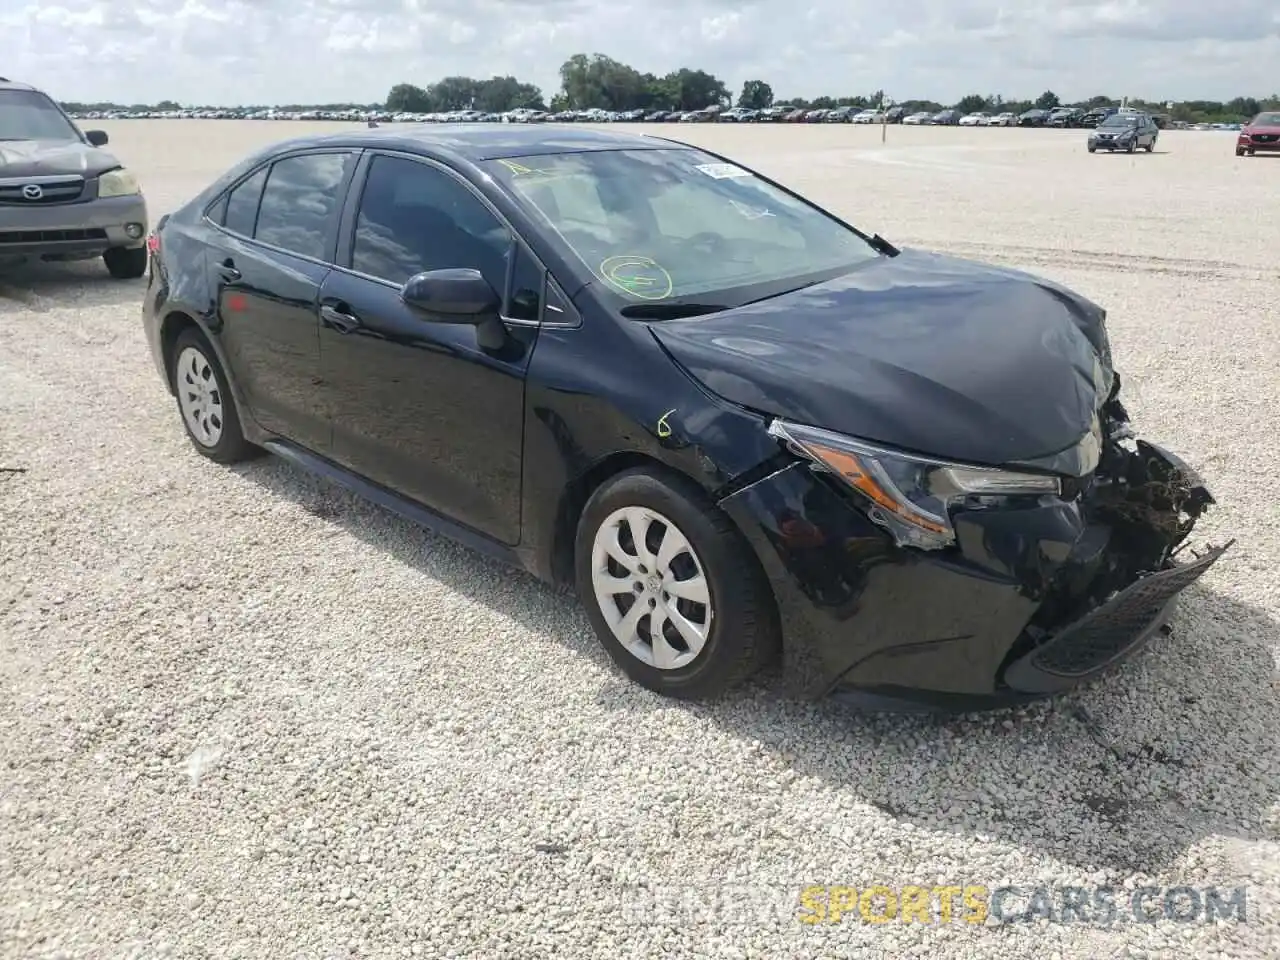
(641, 277)
(517, 168)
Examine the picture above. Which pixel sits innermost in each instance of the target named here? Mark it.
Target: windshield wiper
(881, 245)
(670, 311)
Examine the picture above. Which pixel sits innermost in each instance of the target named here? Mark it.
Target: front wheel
(125, 263)
(672, 590)
(1239, 152)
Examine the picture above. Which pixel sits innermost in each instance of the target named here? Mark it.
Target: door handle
(339, 320)
(227, 270)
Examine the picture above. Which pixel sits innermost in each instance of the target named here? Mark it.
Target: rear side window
(242, 204)
(299, 209)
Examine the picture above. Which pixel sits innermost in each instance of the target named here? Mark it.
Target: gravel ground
(246, 715)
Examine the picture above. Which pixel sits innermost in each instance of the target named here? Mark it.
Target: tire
(1239, 152)
(126, 263)
(1092, 149)
(738, 624)
(208, 412)
(1133, 146)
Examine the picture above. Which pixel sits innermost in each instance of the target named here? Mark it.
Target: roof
(6, 84)
(489, 141)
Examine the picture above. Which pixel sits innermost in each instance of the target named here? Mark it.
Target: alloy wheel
(651, 588)
(199, 397)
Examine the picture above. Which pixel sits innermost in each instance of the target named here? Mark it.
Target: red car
(1261, 134)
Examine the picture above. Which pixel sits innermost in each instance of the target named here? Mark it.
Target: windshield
(660, 225)
(28, 115)
(1267, 120)
(1115, 120)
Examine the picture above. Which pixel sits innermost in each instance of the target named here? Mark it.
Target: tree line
(597, 81)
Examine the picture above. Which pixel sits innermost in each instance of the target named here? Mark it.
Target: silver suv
(62, 197)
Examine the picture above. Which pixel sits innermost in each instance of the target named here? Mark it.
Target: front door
(418, 405)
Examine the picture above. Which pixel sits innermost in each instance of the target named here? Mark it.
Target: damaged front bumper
(1032, 600)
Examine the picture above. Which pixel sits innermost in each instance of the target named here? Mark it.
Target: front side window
(30, 115)
(414, 217)
(667, 224)
(300, 202)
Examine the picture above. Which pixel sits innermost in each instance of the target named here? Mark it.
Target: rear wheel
(126, 263)
(205, 402)
(674, 593)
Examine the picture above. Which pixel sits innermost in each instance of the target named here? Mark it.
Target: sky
(316, 51)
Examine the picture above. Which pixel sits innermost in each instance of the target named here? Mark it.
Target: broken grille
(1107, 632)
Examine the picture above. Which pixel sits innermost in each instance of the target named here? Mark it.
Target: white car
(869, 116)
(916, 119)
(978, 119)
(1003, 120)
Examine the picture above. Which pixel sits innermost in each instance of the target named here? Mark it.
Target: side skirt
(388, 499)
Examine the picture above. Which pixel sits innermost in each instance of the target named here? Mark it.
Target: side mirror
(96, 138)
(455, 295)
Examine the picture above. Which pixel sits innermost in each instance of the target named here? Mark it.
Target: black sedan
(741, 427)
(1124, 131)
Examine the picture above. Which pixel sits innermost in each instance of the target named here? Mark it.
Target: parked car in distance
(730, 463)
(948, 118)
(979, 119)
(919, 118)
(1260, 135)
(1095, 116)
(1064, 117)
(1004, 119)
(869, 116)
(894, 115)
(839, 115)
(775, 113)
(1124, 131)
(62, 196)
(1033, 118)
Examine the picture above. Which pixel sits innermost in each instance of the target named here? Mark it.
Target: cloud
(267, 51)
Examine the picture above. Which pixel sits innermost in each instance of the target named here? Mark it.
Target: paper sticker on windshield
(723, 171)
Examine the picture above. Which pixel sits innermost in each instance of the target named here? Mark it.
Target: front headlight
(909, 495)
(117, 183)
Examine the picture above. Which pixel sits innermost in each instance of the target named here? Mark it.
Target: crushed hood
(45, 158)
(920, 351)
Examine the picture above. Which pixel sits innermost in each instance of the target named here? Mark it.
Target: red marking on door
(236, 303)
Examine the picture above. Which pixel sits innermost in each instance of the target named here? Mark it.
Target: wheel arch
(177, 320)
(174, 322)
(573, 499)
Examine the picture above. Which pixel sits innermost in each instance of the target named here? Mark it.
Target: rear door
(266, 265)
